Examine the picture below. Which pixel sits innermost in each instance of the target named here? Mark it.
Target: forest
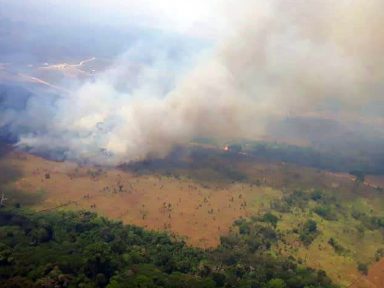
(82, 249)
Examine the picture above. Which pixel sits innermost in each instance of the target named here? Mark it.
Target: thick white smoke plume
(272, 59)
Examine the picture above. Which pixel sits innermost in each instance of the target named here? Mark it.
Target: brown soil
(200, 213)
(374, 279)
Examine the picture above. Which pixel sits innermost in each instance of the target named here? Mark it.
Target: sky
(197, 18)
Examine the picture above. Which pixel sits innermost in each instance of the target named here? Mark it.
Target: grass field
(201, 209)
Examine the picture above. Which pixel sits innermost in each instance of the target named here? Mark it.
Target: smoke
(270, 60)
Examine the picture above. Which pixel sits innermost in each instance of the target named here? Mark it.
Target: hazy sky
(198, 18)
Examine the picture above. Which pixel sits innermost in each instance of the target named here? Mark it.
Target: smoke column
(271, 59)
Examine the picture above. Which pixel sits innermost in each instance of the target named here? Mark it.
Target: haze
(173, 71)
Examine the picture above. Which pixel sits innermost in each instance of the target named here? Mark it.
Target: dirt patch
(374, 279)
(376, 181)
(199, 212)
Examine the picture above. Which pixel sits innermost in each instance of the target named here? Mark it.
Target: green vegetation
(326, 211)
(270, 218)
(344, 161)
(80, 249)
(363, 268)
(370, 222)
(309, 232)
(330, 227)
(336, 246)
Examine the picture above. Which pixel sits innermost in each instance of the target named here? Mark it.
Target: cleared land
(200, 211)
